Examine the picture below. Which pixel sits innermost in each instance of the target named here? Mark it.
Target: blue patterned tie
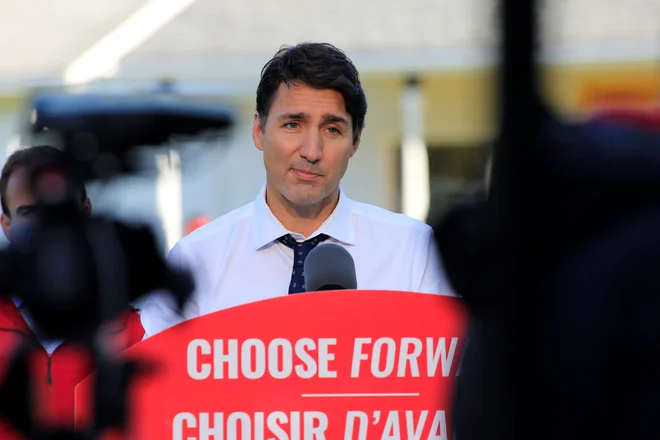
(300, 251)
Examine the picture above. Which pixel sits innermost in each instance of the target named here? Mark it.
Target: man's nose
(312, 146)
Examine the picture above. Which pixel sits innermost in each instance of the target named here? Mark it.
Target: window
(456, 174)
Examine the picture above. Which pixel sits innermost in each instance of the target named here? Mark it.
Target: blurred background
(427, 67)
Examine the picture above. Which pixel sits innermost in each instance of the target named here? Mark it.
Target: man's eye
(291, 125)
(334, 130)
(27, 212)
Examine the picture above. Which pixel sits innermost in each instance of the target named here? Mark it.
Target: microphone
(329, 267)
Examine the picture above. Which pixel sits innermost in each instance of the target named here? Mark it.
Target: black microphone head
(329, 267)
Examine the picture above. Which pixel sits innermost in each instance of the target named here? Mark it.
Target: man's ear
(356, 145)
(5, 220)
(87, 207)
(257, 132)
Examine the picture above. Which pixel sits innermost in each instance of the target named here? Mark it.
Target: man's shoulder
(222, 227)
(389, 220)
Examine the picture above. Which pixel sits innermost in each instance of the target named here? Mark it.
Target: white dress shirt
(236, 259)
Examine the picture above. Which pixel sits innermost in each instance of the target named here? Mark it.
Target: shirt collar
(266, 228)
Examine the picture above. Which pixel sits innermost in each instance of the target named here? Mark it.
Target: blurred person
(591, 367)
(310, 113)
(470, 244)
(59, 365)
(196, 223)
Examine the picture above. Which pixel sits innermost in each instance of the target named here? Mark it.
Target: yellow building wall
(460, 108)
(579, 89)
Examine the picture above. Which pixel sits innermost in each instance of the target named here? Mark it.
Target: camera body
(75, 273)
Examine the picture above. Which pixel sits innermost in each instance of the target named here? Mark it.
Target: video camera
(100, 265)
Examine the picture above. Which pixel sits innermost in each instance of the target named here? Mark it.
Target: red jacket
(55, 376)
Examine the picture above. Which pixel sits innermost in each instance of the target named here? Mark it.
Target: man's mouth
(305, 174)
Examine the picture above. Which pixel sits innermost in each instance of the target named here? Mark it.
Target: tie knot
(305, 247)
(300, 251)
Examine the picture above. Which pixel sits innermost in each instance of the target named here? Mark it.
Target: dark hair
(318, 65)
(31, 158)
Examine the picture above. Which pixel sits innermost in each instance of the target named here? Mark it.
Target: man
(59, 366)
(309, 118)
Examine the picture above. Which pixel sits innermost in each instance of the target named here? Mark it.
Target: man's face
(307, 141)
(22, 203)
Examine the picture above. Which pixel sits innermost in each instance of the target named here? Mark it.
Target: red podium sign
(332, 365)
